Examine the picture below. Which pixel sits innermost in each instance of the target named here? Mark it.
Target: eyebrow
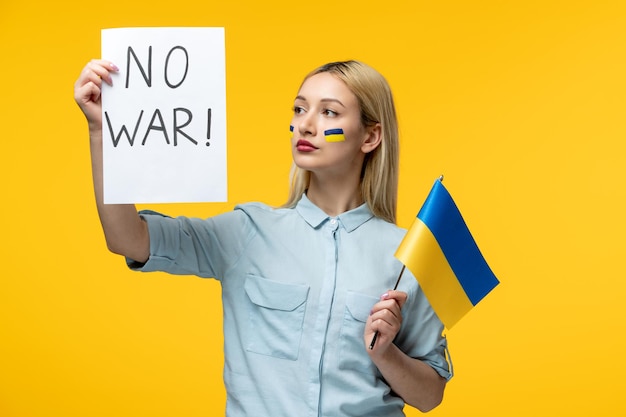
(324, 100)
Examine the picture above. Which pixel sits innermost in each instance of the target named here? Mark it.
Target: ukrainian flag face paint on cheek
(334, 135)
(291, 130)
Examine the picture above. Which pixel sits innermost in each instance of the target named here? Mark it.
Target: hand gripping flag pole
(394, 287)
(442, 255)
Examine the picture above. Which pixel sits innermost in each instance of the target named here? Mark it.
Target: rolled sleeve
(422, 334)
(191, 246)
(164, 243)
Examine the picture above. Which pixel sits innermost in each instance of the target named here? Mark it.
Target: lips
(305, 146)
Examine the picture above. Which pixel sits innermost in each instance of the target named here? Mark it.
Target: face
(323, 109)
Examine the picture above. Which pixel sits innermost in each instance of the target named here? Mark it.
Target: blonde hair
(379, 175)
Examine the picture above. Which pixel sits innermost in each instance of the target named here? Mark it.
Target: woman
(301, 283)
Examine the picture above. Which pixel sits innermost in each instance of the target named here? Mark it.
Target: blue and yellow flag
(442, 255)
(334, 135)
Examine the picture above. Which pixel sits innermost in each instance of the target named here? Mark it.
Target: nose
(306, 124)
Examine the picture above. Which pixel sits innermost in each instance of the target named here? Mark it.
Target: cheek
(343, 130)
(354, 134)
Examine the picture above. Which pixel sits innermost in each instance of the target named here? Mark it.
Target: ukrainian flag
(334, 135)
(442, 255)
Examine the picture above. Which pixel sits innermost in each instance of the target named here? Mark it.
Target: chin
(302, 162)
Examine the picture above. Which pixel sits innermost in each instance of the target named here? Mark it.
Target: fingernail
(384, 296)
(114, 67)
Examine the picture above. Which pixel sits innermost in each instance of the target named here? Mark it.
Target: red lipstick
(305, 146)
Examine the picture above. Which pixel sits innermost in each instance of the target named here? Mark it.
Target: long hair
(379, 174)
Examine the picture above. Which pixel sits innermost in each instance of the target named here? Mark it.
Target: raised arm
(416, 382)
(125, 233)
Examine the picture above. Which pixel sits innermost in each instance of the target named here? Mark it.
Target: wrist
(95, 132)
(384, 355)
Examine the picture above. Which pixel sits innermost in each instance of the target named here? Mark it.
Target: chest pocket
(276, 315)
(353, 354)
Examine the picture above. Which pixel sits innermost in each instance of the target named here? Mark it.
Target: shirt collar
(315, 216)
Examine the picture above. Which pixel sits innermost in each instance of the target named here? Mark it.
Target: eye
(329, 113)
(298, 109)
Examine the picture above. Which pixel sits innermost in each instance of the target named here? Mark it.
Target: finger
(386, 317)
(386, 307)
(385, 330)
(87, 77)
(84, 92)
(393, 300)
(382, 326)
(88, 92)
(399, 296)
(98, 69)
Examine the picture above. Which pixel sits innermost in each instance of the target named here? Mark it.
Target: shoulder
(256, 209)
(261, 215)
(385, 228)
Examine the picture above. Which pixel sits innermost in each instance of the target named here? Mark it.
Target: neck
(335, 197)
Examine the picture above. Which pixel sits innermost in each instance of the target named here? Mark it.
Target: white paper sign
(164, 118)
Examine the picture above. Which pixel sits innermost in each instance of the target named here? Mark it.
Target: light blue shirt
(297, 289)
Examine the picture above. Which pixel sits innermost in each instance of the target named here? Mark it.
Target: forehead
(326, 86)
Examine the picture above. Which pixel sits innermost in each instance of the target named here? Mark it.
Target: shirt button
(333, 221)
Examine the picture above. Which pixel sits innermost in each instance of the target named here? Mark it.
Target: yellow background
(520, 104)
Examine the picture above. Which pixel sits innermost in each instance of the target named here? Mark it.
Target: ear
(373, 138)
